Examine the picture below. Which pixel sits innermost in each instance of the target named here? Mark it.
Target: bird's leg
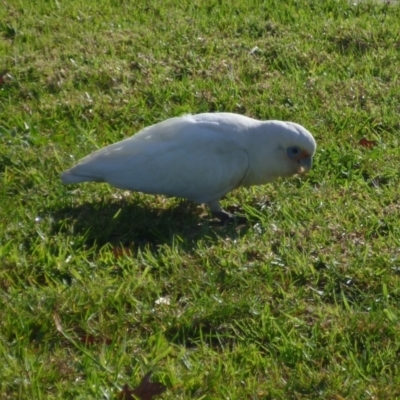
(220, 213)
(223, 216)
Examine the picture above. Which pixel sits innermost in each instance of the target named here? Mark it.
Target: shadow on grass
(131, 224)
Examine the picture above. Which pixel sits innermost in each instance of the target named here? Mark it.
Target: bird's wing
(94, 166)
(197, 161)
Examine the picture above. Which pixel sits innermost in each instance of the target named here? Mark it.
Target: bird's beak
(305, 164)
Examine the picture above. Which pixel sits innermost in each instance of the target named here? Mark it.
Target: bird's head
(279, 149)
(295, 150)
(300, 158)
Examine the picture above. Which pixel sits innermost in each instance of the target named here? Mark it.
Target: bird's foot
(223, 216)
(226, 217)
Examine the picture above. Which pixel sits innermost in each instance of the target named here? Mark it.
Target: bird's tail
(73, 176)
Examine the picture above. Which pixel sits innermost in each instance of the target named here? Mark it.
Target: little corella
(200, 157)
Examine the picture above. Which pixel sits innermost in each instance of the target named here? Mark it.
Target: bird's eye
(293, 151)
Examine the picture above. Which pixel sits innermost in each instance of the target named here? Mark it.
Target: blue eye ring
(293, 151)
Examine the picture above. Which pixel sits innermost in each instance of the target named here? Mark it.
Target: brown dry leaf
(145, 391)
(5, 77)
(91, 340)
(119, 252)
(339, 397)
(88, 339)
(369, 144)
(57, 322)
(84, 338)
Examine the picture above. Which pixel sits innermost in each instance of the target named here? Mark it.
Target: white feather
(200, 157)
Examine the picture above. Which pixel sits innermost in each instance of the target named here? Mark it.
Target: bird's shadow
(134, 224)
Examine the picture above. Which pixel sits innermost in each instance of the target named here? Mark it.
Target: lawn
(100, 286)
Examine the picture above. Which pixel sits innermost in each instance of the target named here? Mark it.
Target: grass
(99, 286)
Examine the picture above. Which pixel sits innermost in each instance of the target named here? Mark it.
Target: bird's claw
(226, 218)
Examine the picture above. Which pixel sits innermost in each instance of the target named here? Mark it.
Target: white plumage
(200, 157)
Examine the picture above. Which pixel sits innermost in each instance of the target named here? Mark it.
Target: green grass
(301, 302)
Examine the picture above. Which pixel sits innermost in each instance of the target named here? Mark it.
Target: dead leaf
(57, 322)
(369, 144)
(88, 339)
(126, 393)
(84, 338)
(91, 340)
(121, 252)
(4, 77)
(339, 397)
(145, 391)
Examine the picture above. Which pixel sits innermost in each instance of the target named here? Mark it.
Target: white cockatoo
(200, 157)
